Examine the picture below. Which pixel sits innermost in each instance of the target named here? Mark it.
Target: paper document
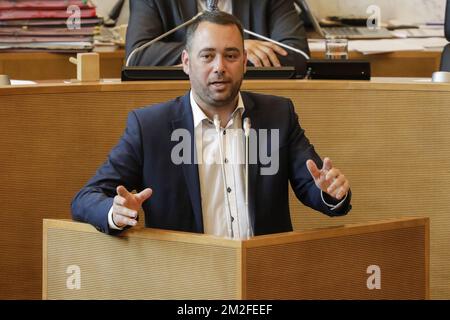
(387, 45)
(21, 82)
(419, 33)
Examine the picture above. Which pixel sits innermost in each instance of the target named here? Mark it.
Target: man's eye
(206, 56)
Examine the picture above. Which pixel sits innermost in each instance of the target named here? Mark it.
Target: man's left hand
(329, 179)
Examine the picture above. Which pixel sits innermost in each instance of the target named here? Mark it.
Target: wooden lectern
(380, 260)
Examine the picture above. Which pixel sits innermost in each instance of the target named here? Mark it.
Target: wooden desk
(413, 64)
(389, 136)
(47, 66)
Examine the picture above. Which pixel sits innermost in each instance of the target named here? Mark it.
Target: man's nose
(219, 64)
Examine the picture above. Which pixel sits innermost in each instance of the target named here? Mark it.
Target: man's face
(216, 63)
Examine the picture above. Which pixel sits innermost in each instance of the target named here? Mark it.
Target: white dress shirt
(224, 5)
(223, 198)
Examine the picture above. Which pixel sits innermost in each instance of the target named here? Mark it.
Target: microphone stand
(127, 64)
(247, 126)
(277, 43)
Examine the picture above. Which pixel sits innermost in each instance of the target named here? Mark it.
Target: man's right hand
(126, 205)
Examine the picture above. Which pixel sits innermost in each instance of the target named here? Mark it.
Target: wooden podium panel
(142, 264)
(330, 263)
(335, 266)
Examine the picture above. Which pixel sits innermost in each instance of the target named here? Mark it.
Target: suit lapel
(252, 113)
(191, 170)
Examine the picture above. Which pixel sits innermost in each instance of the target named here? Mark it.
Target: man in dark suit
(276, 19)
(198, 187)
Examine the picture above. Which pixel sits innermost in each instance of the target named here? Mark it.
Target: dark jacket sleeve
(123, 167)
(287, 27)
(145, 23)
(301, 181)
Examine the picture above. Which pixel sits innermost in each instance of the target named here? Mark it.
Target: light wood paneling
(389, 136)
(327, 263)
(49, 66)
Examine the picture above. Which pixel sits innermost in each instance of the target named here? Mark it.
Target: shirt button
(229, 190)
(232, 219)
(226, 160)
(224, 132)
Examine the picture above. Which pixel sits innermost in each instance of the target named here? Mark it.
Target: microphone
(277, 43)
(247, 126)
(147, 44)
(224, 178)
(212, 5)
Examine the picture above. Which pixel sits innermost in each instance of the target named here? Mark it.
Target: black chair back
(447, 21)
(445, 58)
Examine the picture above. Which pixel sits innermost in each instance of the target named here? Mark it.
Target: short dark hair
(216, 17)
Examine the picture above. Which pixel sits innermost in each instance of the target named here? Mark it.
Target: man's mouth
(219, 84)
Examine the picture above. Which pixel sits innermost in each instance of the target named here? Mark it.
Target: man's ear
(185, 61)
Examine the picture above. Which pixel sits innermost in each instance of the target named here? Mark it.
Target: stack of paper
(52, 25)
(393, 45)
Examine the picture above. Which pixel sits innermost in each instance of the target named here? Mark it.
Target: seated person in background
(276, 19)
(200, 186)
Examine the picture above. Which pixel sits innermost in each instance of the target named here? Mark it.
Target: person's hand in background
(263, 53)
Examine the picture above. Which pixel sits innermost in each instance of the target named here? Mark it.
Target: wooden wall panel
(390, 138)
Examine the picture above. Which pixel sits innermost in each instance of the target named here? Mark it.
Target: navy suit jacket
(276, 19)
(142, 159)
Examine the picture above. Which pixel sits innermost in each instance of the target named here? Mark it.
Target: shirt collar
(199, 115)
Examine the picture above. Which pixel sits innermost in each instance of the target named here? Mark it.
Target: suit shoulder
(267, 101)
(161, 111)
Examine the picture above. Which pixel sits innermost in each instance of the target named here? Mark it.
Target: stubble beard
(227, 100)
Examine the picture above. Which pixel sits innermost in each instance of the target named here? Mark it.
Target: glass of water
(336, 49)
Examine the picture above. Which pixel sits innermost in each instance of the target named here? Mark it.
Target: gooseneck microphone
(211, 5)
(148, 44)
(247, 127)
(277, 43)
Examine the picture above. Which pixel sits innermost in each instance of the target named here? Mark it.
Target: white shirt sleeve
(333, 206)
(111, 223)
